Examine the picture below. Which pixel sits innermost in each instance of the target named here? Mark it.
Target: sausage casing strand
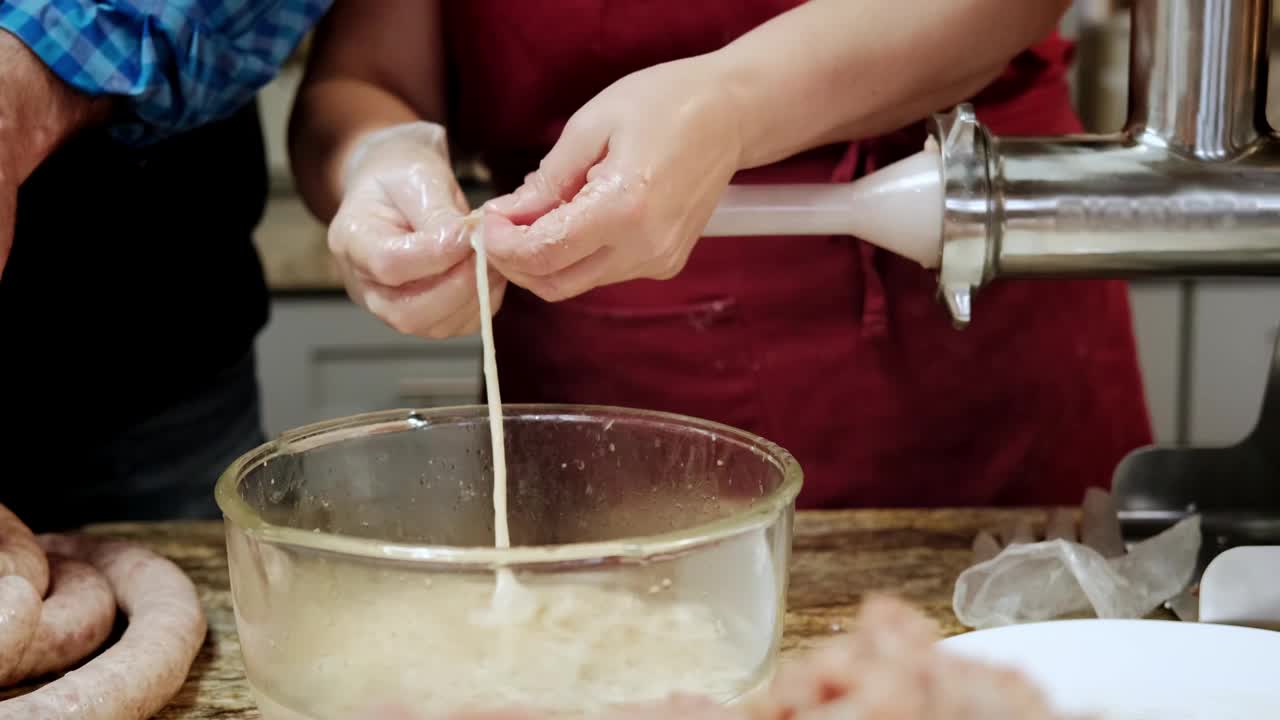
(141, 673)
(75, 620)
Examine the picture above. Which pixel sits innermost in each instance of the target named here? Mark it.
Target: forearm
(38, 111)
(373, 65)
(841, 70)
(329, 117)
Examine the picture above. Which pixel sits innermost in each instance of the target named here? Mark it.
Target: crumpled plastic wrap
(1037, 581)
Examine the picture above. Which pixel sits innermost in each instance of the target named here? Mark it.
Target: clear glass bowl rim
(764, 513)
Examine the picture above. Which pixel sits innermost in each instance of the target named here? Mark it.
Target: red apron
(836, 351)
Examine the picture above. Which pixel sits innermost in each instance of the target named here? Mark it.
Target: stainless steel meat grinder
(1189, 187)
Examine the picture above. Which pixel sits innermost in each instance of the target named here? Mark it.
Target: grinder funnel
(898, 208)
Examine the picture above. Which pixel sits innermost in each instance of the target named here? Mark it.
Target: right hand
(8, 216)
(40, 111)
(398, 238)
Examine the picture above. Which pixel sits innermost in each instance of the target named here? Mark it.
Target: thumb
(985, 547)
(561, 174)
(8, 216)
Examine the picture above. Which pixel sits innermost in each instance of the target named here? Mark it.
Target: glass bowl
(651, 553)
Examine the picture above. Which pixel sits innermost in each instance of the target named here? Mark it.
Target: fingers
(466, 320)
(573, 280)
(425, 198)
(402, 224)
(497, 291)
(560, 176)
(8, 216)
(1100, 524)
(565, 235)
(401, 243)
(985, 547)
(384, 249)
(1017, 532)
(403, 278)
(560, 215)
(456, 324)
(426, 308)
(1061, 525)
(442, 307)
(1099, 529)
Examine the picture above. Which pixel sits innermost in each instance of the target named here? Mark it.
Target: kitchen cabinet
(1233, 326)
(321, 357)
(1206, 347)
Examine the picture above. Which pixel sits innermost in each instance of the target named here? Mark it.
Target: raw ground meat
(888, 668)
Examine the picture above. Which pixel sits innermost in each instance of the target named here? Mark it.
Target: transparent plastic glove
(1025, 579)
(627, 189)
(398, 238)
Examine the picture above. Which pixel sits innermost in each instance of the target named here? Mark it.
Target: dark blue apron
(128, 312)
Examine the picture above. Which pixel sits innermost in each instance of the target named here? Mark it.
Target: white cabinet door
(1158, 324)
(1234, 326)
(322, 358)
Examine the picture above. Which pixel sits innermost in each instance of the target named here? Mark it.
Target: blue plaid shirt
(176, 64)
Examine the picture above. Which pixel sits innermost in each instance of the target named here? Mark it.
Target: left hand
(1099, 528)
(38, 111)
(628, 188)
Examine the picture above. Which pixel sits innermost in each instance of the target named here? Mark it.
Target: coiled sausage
(74, 621)
(138, 675)
(19, 616)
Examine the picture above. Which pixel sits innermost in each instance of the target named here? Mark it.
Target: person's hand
(8, 215)
(1099, 528)
(398, 235)
(38, 111)
(628, 188)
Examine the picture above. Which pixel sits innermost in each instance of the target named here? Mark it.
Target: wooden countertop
(838, 557)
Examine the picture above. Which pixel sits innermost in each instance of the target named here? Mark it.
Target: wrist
(394, 142)
(38, 111)
(740, 84)
(785, 106)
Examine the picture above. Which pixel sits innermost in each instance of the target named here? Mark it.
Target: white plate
(1140, 669)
